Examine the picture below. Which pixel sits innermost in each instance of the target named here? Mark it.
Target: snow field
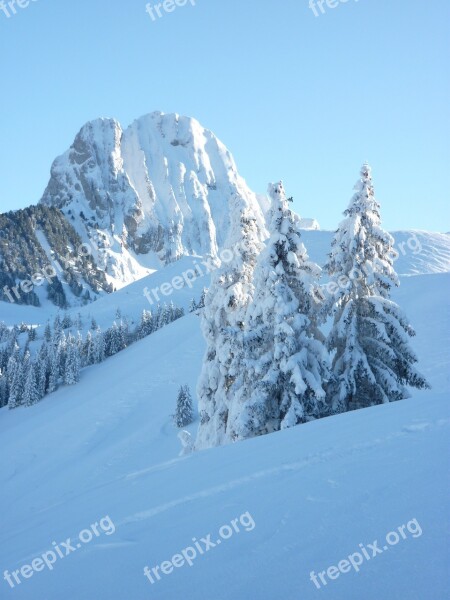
(315, 492)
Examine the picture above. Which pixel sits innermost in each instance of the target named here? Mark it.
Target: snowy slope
(107, 447)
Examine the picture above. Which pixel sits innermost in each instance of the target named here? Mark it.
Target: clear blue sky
(295, 97)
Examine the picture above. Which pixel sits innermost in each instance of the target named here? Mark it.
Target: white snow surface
(107, 447)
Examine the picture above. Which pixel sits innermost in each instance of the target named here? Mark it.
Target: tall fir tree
(31, 392)
(192, 305)
(286, 362)
(42, 370)
(3, 388)
(15, 378)
(99, 346)
(57, 329)
(53, 367)
(184, 413)
(48, 332)
(72, 362)
(201, 302)
(123, 332)
(146, 325)
(223, 320)
(114, 342)
(373, 362)
(87, 353)
(62, 353)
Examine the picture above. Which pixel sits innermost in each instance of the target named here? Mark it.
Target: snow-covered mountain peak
(89, 176)
(161, 187)
(103, 135)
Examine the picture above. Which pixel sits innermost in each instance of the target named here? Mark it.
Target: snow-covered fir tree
(48, 333)
(88, 355)
(201, 302)
(66, 322)
(163, 316)
(222, 322)
(53, 367)
(99, 347)
(31, 392)
(146, 325)
(57, 329)
(373, 362)
(113, 340)
(123, 333)
(184, 413)
(286, 363)
(72, 362)
(80, 344)
(15, 378)
(3, 388)
(42, 370)
(192, 305)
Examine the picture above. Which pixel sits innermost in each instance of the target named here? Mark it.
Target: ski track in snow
(291, 467)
